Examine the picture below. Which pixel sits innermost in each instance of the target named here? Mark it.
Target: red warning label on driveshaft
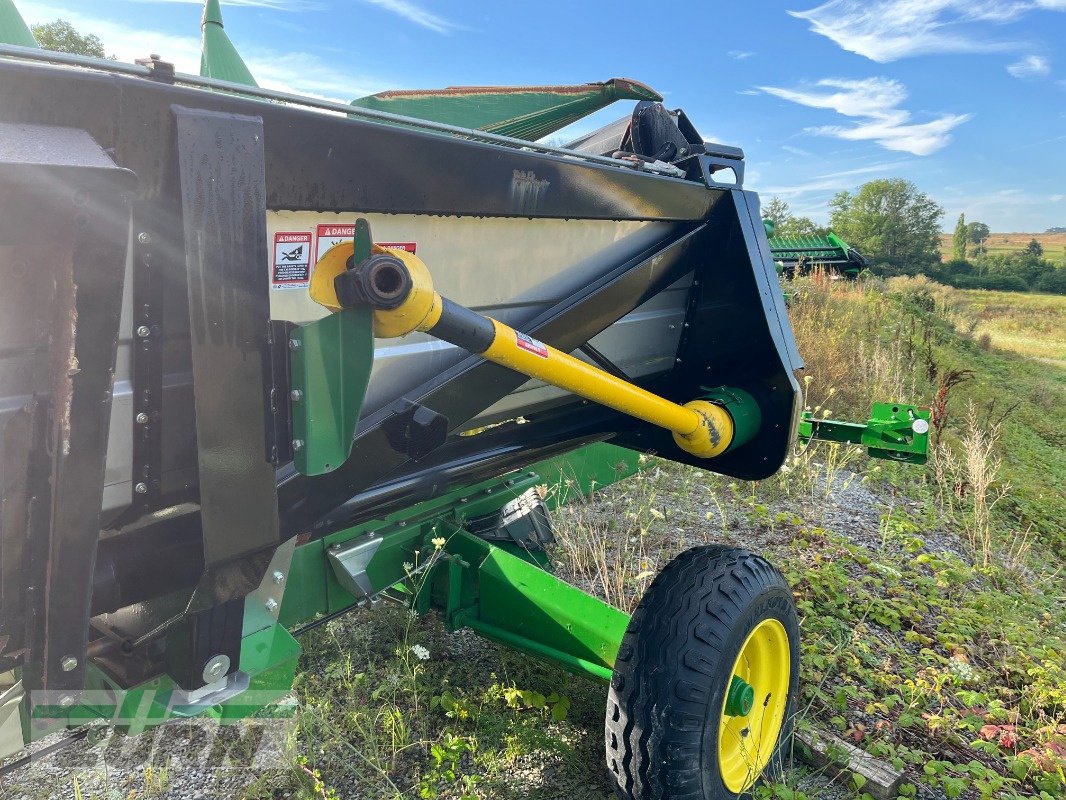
(531, 345)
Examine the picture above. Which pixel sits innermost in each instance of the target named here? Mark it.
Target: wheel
(705, 680)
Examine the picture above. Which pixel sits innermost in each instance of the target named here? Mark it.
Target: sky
(966, 98)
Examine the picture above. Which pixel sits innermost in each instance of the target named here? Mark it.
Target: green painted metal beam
(219, 59)
(13, 29)
(524, 112)
(895, 431)
(518, 604)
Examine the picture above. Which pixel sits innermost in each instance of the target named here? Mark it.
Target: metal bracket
(350, 563)
(147, 373)
(895, 431)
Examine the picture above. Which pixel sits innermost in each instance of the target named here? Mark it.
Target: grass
(1054, 244)
(1029, 324)
(931, 600)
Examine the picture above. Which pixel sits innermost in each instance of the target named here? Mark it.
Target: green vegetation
(62, 37)
(931, 599)
(898, 229)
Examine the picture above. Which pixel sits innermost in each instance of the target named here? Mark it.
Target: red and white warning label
(292, 261)
(330, 235)
(531, 345)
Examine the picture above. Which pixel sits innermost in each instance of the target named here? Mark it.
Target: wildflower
(438, 542)
(419, 652)
(825, 414)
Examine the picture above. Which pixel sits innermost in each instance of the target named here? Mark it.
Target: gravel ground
(190, 759)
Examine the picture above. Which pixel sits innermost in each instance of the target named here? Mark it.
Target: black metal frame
(203, 207)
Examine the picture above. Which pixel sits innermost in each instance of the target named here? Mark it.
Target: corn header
(258, 359)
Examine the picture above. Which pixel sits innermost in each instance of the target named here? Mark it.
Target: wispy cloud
(886, 30)
(832, 182)
(1030, 67)
(740, 55)
(416, 14)
(874, 103)
(1057, 198)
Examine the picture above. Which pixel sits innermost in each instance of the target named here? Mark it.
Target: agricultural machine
(798, 255)
(266, 359)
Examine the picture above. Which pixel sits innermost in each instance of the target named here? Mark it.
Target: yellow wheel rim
(746, 742)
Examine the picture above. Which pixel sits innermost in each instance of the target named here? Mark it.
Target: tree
(778, 212)
(1034, 248)
(890, 222)
(801, 226)
(979, 232)
(61, 37)
(960, 239)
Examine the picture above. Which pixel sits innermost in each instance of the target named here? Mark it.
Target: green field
(1030, 324)
(1054, 244)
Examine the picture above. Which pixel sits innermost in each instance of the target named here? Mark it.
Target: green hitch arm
(895, 431)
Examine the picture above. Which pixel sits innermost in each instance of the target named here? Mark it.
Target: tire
(667, 732)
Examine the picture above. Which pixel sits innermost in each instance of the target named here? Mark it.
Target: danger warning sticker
(531, 345)
(330, 235)
(292, 261)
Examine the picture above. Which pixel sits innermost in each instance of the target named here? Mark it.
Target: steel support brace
(511, 601)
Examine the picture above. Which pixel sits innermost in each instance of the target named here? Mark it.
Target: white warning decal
(292, 261)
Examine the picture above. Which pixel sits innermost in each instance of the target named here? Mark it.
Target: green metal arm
(895, 431)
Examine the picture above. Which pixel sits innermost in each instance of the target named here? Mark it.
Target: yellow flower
(438, 542)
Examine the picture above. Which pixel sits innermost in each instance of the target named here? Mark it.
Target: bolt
(215, 668)
(142, 418)
(402, 523)
(271, 605)
(488, 491)
(66, 700)
(296, 395)
(141, 488)
(279, 577)
(143, 331)
(297, 444)
(294, 344)
(464, 499)
(68, 663)
(144, 238)
(531, 474)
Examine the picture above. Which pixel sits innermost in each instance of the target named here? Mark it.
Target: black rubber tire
(674, 666)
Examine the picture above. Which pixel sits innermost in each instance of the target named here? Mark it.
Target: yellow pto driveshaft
(398, 286)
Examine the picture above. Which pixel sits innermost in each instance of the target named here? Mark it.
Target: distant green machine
(797, 255)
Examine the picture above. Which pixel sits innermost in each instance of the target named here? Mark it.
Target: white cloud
(886, 30)
(416, 14)
(874, 103)
(740, 55)
(294, 72)
(1030, 67)
(832, 182)
(1057, 198)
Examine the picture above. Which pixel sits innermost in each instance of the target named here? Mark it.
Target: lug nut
(142, 418)
(296, 395)
(68, 663)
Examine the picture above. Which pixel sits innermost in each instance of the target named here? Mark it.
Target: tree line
(898, 229)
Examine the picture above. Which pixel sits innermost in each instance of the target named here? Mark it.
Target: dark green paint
(219, 59)
(524, 112)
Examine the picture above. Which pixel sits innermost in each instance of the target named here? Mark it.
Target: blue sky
(967, 98)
